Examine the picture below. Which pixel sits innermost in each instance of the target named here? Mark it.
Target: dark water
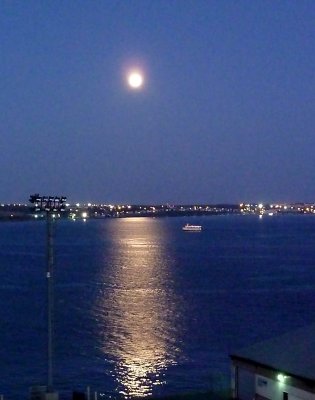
(143, 308)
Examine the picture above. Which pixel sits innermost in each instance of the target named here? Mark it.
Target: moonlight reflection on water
(138, 309)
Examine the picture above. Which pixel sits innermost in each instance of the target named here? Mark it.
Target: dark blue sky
(227, 112)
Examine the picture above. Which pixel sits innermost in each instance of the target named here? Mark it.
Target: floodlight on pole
(49, 204)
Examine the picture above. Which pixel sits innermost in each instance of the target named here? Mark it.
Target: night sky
(226, 112)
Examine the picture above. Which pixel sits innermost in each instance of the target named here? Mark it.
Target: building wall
(273, 390)
(246, 384)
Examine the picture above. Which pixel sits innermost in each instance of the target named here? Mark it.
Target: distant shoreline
(32, 218)
(22, 212)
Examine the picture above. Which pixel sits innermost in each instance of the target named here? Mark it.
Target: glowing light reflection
(141, 315)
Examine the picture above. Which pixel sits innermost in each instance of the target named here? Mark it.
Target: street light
(49, 204)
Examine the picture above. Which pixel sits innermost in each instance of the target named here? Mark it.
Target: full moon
(135, 80)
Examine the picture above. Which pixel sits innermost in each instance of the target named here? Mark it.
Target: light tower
(51, 205)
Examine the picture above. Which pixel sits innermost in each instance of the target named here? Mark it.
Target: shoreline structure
(16, 212)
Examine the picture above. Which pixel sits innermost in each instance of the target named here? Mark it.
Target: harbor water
(143, 308)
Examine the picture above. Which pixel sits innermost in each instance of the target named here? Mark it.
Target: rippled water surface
(143, 308)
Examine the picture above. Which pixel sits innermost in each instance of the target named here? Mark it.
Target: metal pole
(50, 300)
(234, 381)
(87, 393)
(49, 204)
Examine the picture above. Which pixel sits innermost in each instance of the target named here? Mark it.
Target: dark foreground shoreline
(197, 396)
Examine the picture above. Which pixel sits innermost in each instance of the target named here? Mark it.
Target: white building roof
(292, 353)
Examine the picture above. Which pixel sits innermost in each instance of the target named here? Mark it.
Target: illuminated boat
(192, 228)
